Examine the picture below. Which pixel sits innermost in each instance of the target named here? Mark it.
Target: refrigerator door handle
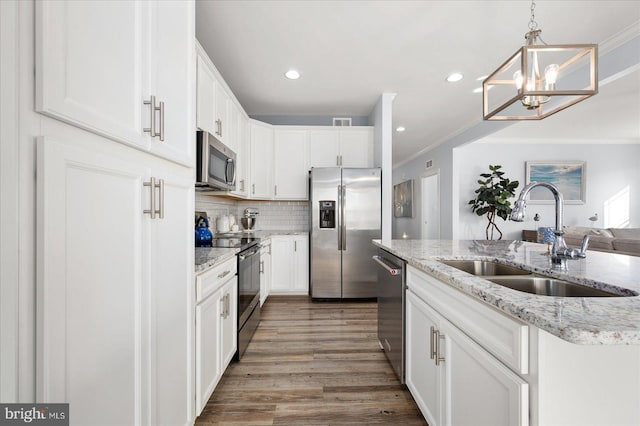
(339, 217)
(344, 219)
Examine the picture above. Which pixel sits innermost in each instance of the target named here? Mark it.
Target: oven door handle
(245, 255)
(392, 271)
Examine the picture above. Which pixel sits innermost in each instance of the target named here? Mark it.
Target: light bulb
(517, 76)
(551, 76)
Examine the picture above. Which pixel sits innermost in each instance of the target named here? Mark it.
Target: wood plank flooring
(312, 364)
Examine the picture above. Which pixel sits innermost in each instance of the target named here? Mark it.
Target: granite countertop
(592, 321)
(208, 257)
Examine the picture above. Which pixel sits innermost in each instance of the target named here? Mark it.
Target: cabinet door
(172, 297)
(205, 95)
(92, 321)
(242, 157)
(356, 148)
(222, 113)
(265, 278)
(208, 353)
(300, 279)
(482, 390)
(229, 322)
(324, 148)
(281, 259)
(291, 171)
(232, 128)
(424, 378)
(91, 59)
(261, 161)
(172, 74)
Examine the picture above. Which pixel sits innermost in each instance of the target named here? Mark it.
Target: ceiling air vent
(341, 122)
(428, 164)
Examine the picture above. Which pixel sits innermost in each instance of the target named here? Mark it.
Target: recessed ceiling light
(477, 90)
(292, 75)
(456, 76)
(482, 77)
(400, 129)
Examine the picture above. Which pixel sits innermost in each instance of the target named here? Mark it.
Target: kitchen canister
(222, 224)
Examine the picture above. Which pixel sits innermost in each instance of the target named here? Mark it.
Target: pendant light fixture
(540, 79)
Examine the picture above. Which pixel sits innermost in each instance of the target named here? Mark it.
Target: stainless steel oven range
(248, 295)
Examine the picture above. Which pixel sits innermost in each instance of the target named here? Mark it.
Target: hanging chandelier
(540, 79)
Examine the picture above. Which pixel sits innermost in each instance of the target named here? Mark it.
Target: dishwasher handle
(393, 270)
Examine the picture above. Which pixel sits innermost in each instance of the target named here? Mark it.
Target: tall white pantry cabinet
(115, 297)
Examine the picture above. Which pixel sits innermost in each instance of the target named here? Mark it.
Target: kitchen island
(483, 353)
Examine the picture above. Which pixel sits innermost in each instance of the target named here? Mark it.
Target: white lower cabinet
(265, 271)
(289, 264)
(114, 307)
(494, 369)
(216, 327)
(453, 379)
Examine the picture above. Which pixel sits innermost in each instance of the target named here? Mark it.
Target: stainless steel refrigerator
(345, 206)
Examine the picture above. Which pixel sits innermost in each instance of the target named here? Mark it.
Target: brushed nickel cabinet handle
(253, 189)
(431, 344)
(262, 266)
(275, 190)
(152, 198)
(224, 274)
(161, 121)
(152, 125)
(160, 210)
(337, 160)
(439, 337)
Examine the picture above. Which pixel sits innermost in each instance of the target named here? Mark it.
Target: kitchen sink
(545, 286)
(484, 267)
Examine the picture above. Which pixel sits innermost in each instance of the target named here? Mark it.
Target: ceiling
(349, 52)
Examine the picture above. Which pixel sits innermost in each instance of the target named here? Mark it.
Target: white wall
(381, 119)
(609, 169)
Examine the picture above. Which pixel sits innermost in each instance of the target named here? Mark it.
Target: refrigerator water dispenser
(327, 214)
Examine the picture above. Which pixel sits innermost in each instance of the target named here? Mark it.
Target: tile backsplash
(274, 215)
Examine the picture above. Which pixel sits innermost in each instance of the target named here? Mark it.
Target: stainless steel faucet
(559, 251)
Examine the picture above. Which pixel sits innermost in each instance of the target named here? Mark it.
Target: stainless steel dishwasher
(391, 307)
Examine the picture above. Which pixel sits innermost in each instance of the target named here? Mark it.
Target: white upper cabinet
(222, 114)
(261, 168)
(173, 74)
(332, 147)
(356, 147)
(242, 157)
(205, 94)
(324, 148)
(118, 68)
(291, 170)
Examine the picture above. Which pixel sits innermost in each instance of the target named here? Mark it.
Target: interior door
(430, 207)
(361, 224)
(325, 250)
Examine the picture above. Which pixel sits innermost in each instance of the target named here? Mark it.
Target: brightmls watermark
(34, 414)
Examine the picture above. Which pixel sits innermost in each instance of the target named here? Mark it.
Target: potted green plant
(492, 198)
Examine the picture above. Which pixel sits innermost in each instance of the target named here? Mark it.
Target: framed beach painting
(568, 176)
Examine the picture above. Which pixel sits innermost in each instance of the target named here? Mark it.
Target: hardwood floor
(312, 364)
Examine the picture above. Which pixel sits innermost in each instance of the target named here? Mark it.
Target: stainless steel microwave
(216, 164)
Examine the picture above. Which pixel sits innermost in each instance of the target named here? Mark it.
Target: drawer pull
(224, 274)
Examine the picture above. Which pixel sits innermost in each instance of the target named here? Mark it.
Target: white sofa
(614, 240)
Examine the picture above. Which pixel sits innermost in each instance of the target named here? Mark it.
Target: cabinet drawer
(505, 337)
(211, 280)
